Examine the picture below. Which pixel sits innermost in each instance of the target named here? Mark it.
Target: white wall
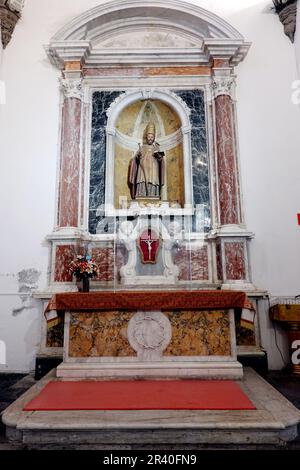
(269, 141)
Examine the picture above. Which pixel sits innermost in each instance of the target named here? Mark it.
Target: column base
(243, 286)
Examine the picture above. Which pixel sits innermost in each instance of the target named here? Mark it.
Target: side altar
(186, 334)
(149, 187)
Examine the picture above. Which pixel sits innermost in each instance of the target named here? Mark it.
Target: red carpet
(141, 395)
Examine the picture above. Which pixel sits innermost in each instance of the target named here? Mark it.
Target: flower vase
(85, 284)
(79, 283)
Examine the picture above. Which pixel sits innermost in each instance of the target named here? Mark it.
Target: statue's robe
(146, 175)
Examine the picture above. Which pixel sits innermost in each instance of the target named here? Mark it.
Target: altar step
(230, 369)
(274, 422)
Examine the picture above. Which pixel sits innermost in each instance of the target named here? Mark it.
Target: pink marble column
(69, 181)
(228, 197)
(232, 266)
(227, 172)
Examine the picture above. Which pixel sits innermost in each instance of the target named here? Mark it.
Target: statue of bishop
(147, 168)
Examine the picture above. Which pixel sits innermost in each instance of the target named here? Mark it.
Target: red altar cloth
(144, 300)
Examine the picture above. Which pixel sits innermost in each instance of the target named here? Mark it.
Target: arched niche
(117, 140)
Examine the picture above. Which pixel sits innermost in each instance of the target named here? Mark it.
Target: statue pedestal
(150, 334)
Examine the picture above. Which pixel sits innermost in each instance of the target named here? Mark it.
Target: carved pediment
(174, 28)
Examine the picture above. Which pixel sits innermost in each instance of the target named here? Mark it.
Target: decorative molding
(287, 12)
(61, 52)
(10, 13)
(235, 51)
(148, 94)
(72, 88)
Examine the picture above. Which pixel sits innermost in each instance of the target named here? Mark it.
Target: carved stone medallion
(149, 334)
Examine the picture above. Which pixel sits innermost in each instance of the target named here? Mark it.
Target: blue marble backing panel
(201, 188)
(101, 102)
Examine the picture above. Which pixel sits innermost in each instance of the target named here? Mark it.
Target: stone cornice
(60, 52)
(65, 51)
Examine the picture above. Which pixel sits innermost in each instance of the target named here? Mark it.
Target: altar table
(149, 334)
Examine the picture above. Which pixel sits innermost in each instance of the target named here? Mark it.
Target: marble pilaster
(231, 237)
(69, 184)
(227, 170)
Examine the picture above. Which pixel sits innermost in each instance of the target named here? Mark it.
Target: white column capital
(72, 87)
(223, 85)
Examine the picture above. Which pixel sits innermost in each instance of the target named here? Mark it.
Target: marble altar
(139, 334)
(183, 80)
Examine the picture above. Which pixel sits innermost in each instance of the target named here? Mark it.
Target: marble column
(227, 169)
(69, 182)
(232, 261)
